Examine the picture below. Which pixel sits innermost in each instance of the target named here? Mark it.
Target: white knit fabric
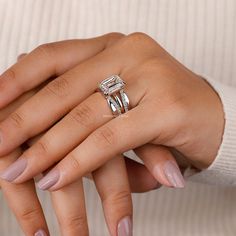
(201, 34)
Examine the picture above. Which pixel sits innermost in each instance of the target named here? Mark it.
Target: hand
(69, 201)
(169, 109)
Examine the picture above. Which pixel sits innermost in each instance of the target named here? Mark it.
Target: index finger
(117, 136)
(48, 60)
(23, 201)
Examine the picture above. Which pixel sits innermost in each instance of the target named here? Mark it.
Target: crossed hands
(55, 122)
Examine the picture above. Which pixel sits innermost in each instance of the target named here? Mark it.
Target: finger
(6, 111)
(140, 179)
(69, 205)
(76, 125)
(61, 95)
(117, 136)
(115, 196)
(161, 163)
(22, 121)
(23, 201)
(46, 61)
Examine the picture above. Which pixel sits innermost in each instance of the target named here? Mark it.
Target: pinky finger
(162, 165)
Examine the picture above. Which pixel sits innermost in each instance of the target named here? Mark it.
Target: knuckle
(104, 137)
(139, 45)
(83, 115)
(75, 221)
(10, 75)
(140, 39)
(45, 50)
(42, 148)
(139, 36)
(17, 119)
(117, 198)
(113, 38)
(74, 163)
(58, 87)
(30, 213)
(21, 56)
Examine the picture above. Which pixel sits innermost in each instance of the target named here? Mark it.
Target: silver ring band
(125, 100)
(113, 90)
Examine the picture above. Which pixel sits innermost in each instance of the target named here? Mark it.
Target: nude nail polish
(173, 174)
(125, 227)
(49, 180)
(14, 170)
(40, 233)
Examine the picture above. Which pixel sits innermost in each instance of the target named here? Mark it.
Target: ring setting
(113, 90)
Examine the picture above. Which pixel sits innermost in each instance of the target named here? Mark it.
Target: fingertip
(49, 181)
(40, 232)
(162, 164)
(173, 174)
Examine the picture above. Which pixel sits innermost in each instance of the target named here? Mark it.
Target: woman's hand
(69, 201)
(172, 107)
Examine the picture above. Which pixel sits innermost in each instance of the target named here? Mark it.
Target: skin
(69, 201)
(171, 106)
(68, 206)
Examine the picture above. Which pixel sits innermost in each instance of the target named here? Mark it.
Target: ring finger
(66, 134)
(60, 95)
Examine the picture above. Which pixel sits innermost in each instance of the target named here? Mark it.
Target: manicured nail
(49, 180)
(14, 170)
(125, 227)
(159, 174)
(40, 233)
(174, 175)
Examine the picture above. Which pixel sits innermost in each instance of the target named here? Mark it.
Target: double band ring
(113, 90)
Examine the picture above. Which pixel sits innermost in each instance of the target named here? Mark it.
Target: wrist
(216, 125)
(225, 161)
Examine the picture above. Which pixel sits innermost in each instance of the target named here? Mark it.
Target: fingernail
(49, 180)
(125, 227)
(14, 170)
(174, 175)
(159, 174)
(40, 233)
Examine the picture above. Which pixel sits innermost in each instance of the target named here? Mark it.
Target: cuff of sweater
(223, 169)
(225, 160)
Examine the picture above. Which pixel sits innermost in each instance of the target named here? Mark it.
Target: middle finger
(55, 100)
(65, 92)
(66, 134)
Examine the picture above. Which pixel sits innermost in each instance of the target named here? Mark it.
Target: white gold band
(113, 90)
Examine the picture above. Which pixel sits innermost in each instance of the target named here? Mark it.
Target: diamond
(111, 85)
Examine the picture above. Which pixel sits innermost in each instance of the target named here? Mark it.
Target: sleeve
(223, 170)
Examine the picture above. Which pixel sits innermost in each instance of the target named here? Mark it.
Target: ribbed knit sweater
(202, 35)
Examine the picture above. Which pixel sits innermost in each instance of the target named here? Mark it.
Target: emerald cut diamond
(111, 85)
